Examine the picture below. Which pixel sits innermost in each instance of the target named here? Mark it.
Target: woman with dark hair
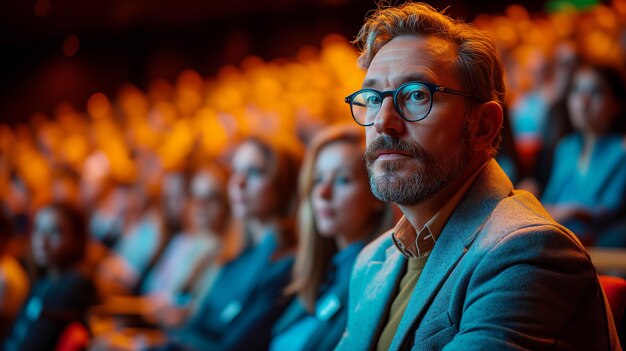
(246, 296)
(62, 293)
(587, 187)
(337, 217)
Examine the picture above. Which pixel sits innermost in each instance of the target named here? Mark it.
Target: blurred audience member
(202, 243)
(529, 111)
(565, 60)
(14, 283)
(173, 200)
(142, 238)
(106, 223)
(66, 187)
(246, 297)
(62, 293)
(338, 216)
(587, 189)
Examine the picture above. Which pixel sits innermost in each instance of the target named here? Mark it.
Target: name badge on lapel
(34, 308)
(230, 311)
(328, 307)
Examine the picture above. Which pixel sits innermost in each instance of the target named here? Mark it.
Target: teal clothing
(297, 329)
(243, 304)
(601, 190)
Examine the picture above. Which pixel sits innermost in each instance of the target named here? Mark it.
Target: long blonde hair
(315, 251)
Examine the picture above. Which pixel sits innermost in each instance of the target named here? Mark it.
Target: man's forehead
(410, 57)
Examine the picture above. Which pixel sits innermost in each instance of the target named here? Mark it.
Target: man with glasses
(472, 264)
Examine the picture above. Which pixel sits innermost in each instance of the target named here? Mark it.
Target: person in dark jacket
(62, 293)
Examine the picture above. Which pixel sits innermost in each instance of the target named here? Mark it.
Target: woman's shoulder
(570, 141)
(612, 146)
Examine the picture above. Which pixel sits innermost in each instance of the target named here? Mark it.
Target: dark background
(136, 41)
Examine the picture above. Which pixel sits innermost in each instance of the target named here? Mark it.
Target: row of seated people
(283, 287)
(216, 282)
(219, 279)
(258, 198)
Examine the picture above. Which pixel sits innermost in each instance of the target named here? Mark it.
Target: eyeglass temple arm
(453, 91)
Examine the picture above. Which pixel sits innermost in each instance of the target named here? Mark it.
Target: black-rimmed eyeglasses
(412, 100)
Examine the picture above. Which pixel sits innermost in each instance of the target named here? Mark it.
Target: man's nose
(388, 120)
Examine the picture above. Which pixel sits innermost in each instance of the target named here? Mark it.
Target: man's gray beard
(420, 185)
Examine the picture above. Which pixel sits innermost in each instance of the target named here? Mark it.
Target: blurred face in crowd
(208, 206)
(51, 240)
(592, 105)
(174, 194)
(251, 187)
(136, 198)
(408, 162)
(342, 202)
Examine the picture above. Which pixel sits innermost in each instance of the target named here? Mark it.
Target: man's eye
(416, 95)
(373, 100)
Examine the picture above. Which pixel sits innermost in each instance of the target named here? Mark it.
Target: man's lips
(391, 154)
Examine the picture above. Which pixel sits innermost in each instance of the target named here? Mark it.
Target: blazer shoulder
(522, 212)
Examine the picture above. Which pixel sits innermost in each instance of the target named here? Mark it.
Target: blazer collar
(382, 275)
(467, 220)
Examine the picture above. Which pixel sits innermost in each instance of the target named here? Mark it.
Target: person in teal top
(587, 189)
(337, 216)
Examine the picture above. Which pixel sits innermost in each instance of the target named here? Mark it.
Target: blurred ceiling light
(98, 105)
(517, 13)
(71, 45)
(606, 17)
(598, 44)
(619, 6)
(42, 8)
(505, 32)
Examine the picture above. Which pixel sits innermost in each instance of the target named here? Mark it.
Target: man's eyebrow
(369, 83)
(425, 77)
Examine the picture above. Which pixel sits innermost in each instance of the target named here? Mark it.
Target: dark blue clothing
(245, 301)
(601, 190)
(51, 306)
(297, 329)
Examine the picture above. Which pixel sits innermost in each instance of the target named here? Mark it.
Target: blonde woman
(337, 217)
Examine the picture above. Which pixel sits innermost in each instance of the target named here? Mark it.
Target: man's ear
(485, 124)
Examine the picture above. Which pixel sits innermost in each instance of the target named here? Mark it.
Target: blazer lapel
(489, 188)
(380, 280)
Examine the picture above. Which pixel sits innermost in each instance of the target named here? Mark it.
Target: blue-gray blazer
(502, 276)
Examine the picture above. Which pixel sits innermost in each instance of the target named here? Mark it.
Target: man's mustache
(388, 143)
